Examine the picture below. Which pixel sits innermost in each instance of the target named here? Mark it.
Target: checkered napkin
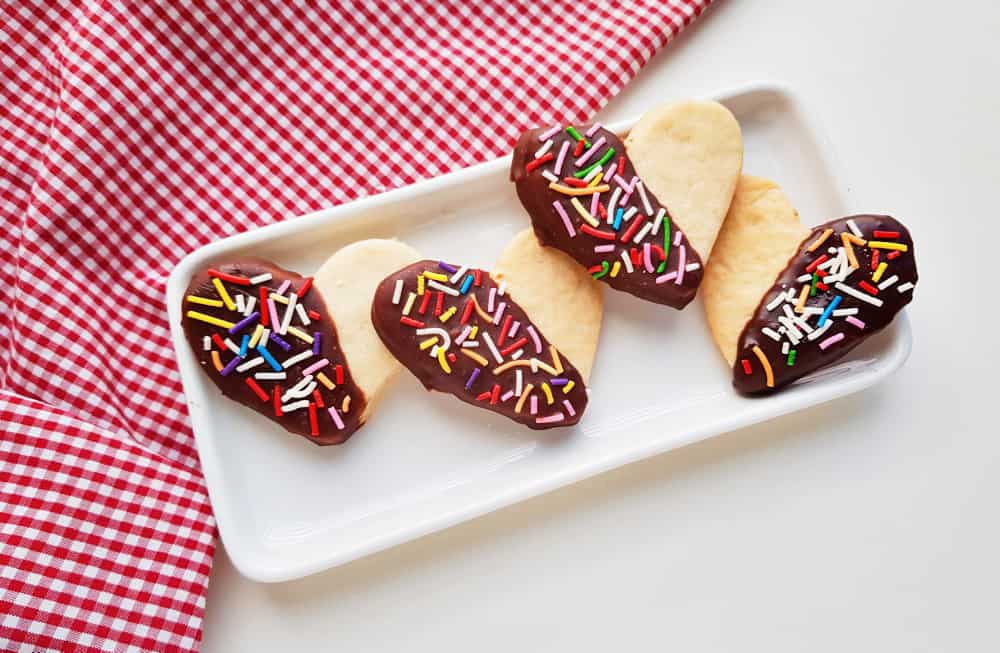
(132, 133)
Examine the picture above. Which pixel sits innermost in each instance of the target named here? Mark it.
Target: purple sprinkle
(231, 365)
(278, 340)
(316, 336)
(447, 267)
(559, 381)
(244, 323)
(472, 378)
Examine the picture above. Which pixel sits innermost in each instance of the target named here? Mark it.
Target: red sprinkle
(578, 150)
(520, 342)
(632, 228)
(894, 254)
(439, 304)
(816, 263)
(885, 234)
(595, 269)
(603, 211)
(621, 165)
(636, 256)
(482, 396)
(231, 278)
(478, 274)
(597, 233)
(409, 321)
(319, 398)
(305, 287)
(573, 181)
(542, 160)
(277, 401)
(867, 287)
(875, 255)
(259, 391)
(495, 395)
(659, 251)
(218, 341)
(264, 313)
(467, 313)
(340, 374)
(822, 286)
(314, 315)
(313, 422)
(424, 302)
(452, 357)
(746, 367)
(503, 330)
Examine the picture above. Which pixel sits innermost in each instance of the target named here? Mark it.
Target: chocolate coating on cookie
(845, 282)
(265, 338)
(614, 226)
(459, 332)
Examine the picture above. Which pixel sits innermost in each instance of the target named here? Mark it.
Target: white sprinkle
(854, 228)
(612, 204)
(857, 294)
(260, 278)
(289, 313)
(628, 262)
(771, 333)
(804, 278)
(502, 288)
(658, 220)
(903, 287)
(397, 292)
(534, 365)
(540, 152)
(886, 283)
(250, 364)
(825, 265)
(799, 321)
(499, 313)
(289, 408)
(435, 331)
(448, 290)
(469, 344)
(302, 389)
(791, 330)
(301, 311)
(628, 214)
(561, 158)
(820, 331)
(517, 354)
(240, 306)
(232, 346)
(433, 353)
(593, 173)
(548, 175)
(691, 267)
(491, 300)
(458, 274)
(831, 250)
(812, 310)
(492, 347)
(777, 301)
(645, 199)
(518, 383)
(784, 349)
(251, 302)
(270, 376)
(297, 358)
(843, 312)
(206, 343)
(642, 232)
(264, 336)
(409, 303)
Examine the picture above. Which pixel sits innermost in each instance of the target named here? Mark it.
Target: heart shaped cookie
(605, 202)
(460, 331)
(783, 300)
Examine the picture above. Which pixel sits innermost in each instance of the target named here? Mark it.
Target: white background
(868, 524)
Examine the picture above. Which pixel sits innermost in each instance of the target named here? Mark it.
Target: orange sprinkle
(768, 372)
(819, 240)
(803, 296)
(216, 361)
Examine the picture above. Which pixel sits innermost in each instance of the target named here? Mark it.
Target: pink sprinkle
(534, 404)
(681, 265)
(500, 309)
(535, 339)
(569, 407)
(561, 158)
(507, 395)
(610, 174)
(565, 218)
(647, 257)
(625, 187)
(513, 329)
(492, 298)
(546, 135)
(594, 202)
(855, 321)
(631, 184)
(335, 416)
(275, 322)
(832, 340)
(465, 334)
(283, 287)
(669, 276)
(591, 152)
(593, 129)
(318, 365)
(677, 238)
(557, 417)
(604, 248)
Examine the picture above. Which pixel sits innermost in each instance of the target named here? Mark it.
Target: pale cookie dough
(690, 155)
(761, 231)
(558, 294)
(347, 282)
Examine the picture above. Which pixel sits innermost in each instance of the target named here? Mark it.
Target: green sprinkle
(791, 358)
(580, 174)
(571, 130)
(607, 155)
(604, 270)
(812, 289)
(666, 236)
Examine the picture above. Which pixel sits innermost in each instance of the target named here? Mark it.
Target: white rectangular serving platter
(425, 461)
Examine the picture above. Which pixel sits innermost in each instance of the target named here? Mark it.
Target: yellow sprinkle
(849, 250)
(820, 240)
(879, 271)
(345, 405)
(225, 324)
(255, 338)
(769, 374)
(409, 303)
(472, 334)
(300, 334)
(443, 361)
(596, 180)
(223, 294)
(881, 244)
(420, 284)
(615, 268)
(216, 360)
(325, 380)
(854, 239)
(204, 301)
(548, 369)
(568, 387)
(474, 356)
(447, 314)
(524, 397)
(584, 213)
(556, 361)
(549, 399)
(281, 299)
(436, 276)
(589, 190)
(803, 296)
(427, 344)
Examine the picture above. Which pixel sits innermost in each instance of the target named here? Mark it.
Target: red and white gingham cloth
(132, 133)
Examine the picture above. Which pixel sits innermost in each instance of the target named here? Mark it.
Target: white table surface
(868, 524)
